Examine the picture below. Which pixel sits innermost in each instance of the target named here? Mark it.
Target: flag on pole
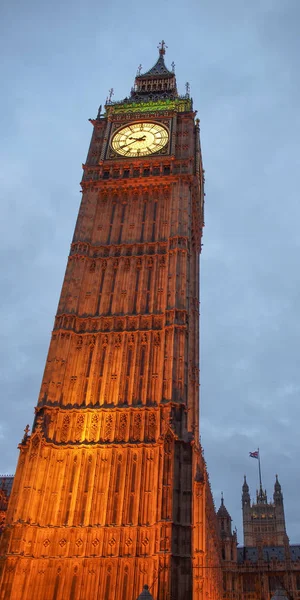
(256, 455)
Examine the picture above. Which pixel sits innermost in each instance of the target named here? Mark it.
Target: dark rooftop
(250, 554)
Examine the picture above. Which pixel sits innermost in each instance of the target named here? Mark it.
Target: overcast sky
(59, 60)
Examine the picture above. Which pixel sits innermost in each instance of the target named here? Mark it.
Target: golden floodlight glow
(111, 494)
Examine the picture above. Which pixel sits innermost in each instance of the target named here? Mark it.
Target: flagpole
(259, 469)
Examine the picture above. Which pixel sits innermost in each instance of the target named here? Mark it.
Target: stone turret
(246, 508)
(278, 497)
(279, 511)
(228, 538)
(224, 519)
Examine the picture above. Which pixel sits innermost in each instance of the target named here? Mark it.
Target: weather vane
(162, 47)
(139, 70)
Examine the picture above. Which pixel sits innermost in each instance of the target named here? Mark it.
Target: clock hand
(141, 139)
(128, 143)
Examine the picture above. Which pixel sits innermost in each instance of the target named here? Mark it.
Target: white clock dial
(140, 139)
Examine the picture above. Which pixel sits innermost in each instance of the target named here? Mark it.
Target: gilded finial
(162, 47)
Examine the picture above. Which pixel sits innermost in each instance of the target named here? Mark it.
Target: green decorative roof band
(178, 105)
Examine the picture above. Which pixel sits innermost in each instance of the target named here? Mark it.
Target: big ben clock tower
(111, 491)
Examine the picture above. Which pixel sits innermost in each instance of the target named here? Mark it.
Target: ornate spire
(158, 82)
(155, 86)
(278, 497)
(245, 493)
(110, 95)
(261, 496)
(277, 486)
(224, 519)
(223, 512)
(245, 487)
(159, 69)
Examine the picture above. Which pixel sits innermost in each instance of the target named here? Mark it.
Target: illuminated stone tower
(263, 521)
(111, 490)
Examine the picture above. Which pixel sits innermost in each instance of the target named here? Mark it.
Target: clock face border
(140, 139)
(112, 154)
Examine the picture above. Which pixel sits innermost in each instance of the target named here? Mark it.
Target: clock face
(140, 139)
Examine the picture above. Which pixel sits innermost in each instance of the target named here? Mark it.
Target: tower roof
(223, 512)
(277, 486)
(159, 69)
(245, 487)
(156, 84)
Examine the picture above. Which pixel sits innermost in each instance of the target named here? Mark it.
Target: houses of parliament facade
(111, 498)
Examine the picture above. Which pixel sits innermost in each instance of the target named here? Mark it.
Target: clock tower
(111, 491)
